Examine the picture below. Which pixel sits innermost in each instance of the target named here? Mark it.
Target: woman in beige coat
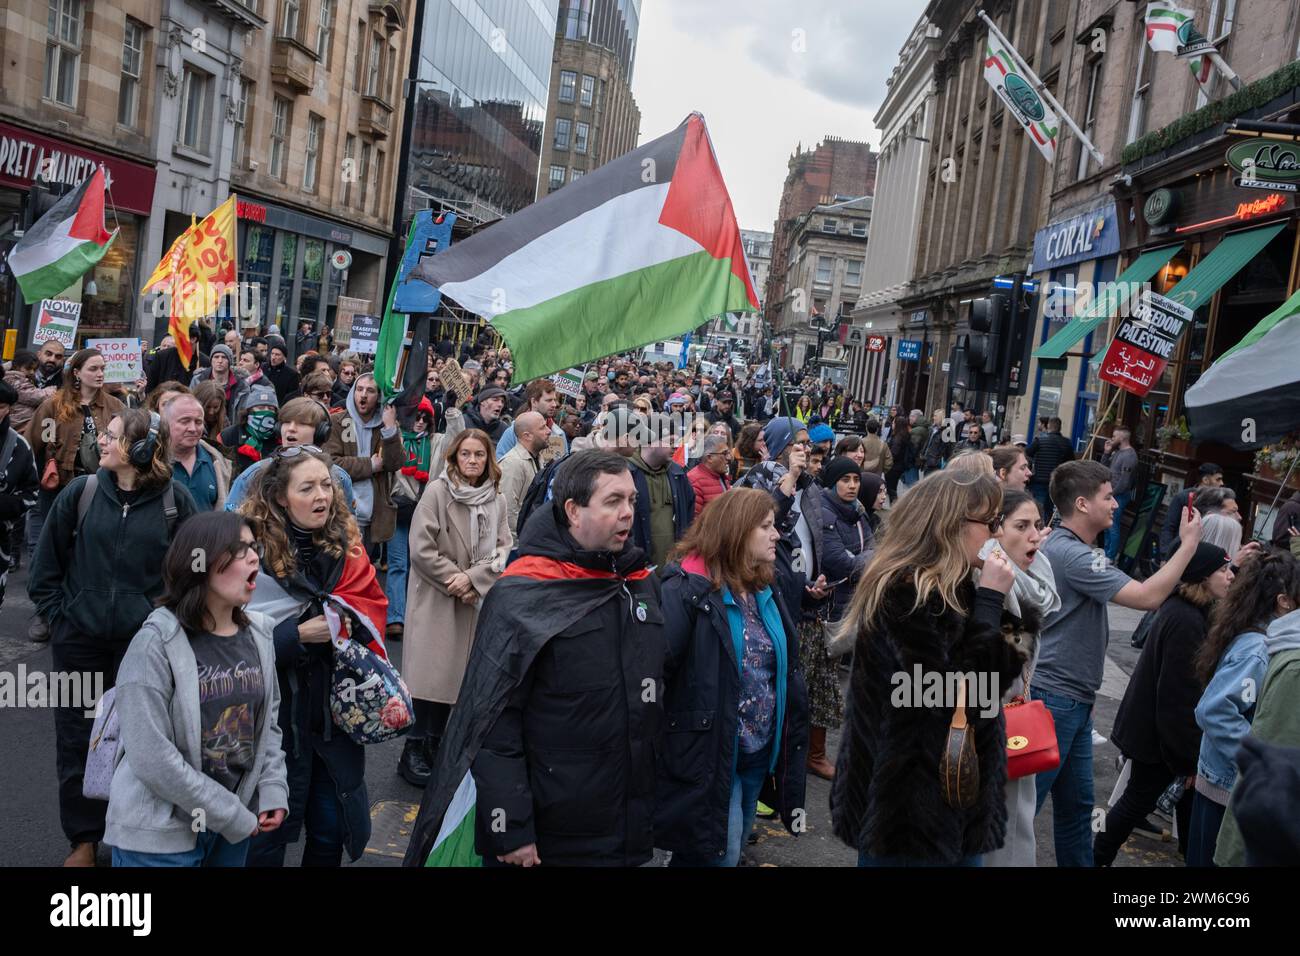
(460, 540)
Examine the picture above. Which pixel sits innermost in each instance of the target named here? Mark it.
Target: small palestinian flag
(637, 251)
(1170, 30)
(64, 244)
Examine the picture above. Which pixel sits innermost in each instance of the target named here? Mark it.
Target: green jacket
(1277, 721)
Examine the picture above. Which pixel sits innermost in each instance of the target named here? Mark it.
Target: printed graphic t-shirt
(231, 692)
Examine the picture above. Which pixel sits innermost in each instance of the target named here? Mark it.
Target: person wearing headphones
(303, 421)
(95, 575)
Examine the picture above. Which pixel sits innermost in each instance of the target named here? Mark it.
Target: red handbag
(1031, 737)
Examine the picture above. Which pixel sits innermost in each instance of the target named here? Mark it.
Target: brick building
(834, 170)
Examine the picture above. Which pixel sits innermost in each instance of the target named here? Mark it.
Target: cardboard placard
(123, 359)
(453, 378)
(569, 384)
(348, 306)
(57, 319)
(365, 334)
(1144, 343)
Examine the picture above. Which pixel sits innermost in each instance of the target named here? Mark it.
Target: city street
(32, 836)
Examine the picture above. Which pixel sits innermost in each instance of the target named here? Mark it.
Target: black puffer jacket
(849, 546)
(887, 797)
(570, 760)
(702, 700)
(98, 584)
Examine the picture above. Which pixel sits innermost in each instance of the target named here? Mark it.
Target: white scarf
(479, 501)
(1034, 588)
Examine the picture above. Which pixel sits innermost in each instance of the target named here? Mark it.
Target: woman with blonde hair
(733, 651)
(460, 541)
(972, 462)
(919, 783)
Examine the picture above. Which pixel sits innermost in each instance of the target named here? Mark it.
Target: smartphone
(833, 584)
(1191, 500)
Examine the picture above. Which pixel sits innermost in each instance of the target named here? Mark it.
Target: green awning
(1099, 310)
(1228, 258)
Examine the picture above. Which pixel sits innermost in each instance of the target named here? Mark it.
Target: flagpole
(1222, 65)
(1041, 88)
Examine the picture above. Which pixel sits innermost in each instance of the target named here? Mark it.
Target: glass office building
(478, 107)
(612, 24)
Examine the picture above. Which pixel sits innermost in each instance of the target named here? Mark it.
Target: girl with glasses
(199, 709)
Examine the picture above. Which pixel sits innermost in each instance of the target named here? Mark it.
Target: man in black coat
(166, 365)
(559, 713)
(1048, 450)
(278, 372)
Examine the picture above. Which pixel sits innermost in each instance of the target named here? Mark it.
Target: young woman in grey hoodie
(200, 769)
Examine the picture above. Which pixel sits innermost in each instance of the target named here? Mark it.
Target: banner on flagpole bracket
(1144, 344)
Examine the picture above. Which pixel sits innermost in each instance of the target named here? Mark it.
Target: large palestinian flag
(64, 243)
(640, 250)
(1250, 396)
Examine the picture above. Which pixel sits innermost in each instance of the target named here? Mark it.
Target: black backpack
(538, 491)
(88, 495)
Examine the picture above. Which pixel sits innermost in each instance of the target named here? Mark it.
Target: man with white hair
(198, 466)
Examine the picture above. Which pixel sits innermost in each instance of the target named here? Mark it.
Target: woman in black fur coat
(921, 623)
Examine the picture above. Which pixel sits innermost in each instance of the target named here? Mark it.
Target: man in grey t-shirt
(1072, 647)
(1122, 460)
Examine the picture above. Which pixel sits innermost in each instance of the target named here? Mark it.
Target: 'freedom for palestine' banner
(639, 250)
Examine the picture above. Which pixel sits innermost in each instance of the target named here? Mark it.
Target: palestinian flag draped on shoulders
(640, 250)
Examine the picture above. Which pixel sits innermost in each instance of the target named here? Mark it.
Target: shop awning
(1140, 270)
(1228, 258)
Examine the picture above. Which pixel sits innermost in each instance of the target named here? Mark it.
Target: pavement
(31, 835)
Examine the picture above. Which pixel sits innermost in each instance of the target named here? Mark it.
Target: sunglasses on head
(293, 451)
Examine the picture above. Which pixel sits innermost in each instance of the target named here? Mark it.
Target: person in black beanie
(277, 371)
(1156, 727)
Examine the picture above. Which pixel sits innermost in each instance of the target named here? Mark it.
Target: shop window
(281, 121)
(128, 96)
(109, 312)
(288, 270)
(63, 51)
(313, 275)
(259, 247)
(568, 85)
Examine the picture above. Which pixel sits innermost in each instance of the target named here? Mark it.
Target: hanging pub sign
(1266, 164)
(1144, 344)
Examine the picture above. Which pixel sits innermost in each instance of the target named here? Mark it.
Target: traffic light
(987, 324)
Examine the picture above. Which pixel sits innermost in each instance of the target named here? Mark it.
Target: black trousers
(1147, 781)
(430, 720)
(82, 818)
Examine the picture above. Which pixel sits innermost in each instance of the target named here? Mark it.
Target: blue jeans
(210, 850)
(1113, 532)
(322, 824)
(866, 859)
(399, 561)
(746, 783)
(1070, 784)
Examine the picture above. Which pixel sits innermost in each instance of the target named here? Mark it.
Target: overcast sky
(737, 63)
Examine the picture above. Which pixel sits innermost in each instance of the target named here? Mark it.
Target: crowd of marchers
(629, 616)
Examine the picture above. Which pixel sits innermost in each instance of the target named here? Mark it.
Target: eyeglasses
(241, 549)
(293, 451)
(994, 524)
